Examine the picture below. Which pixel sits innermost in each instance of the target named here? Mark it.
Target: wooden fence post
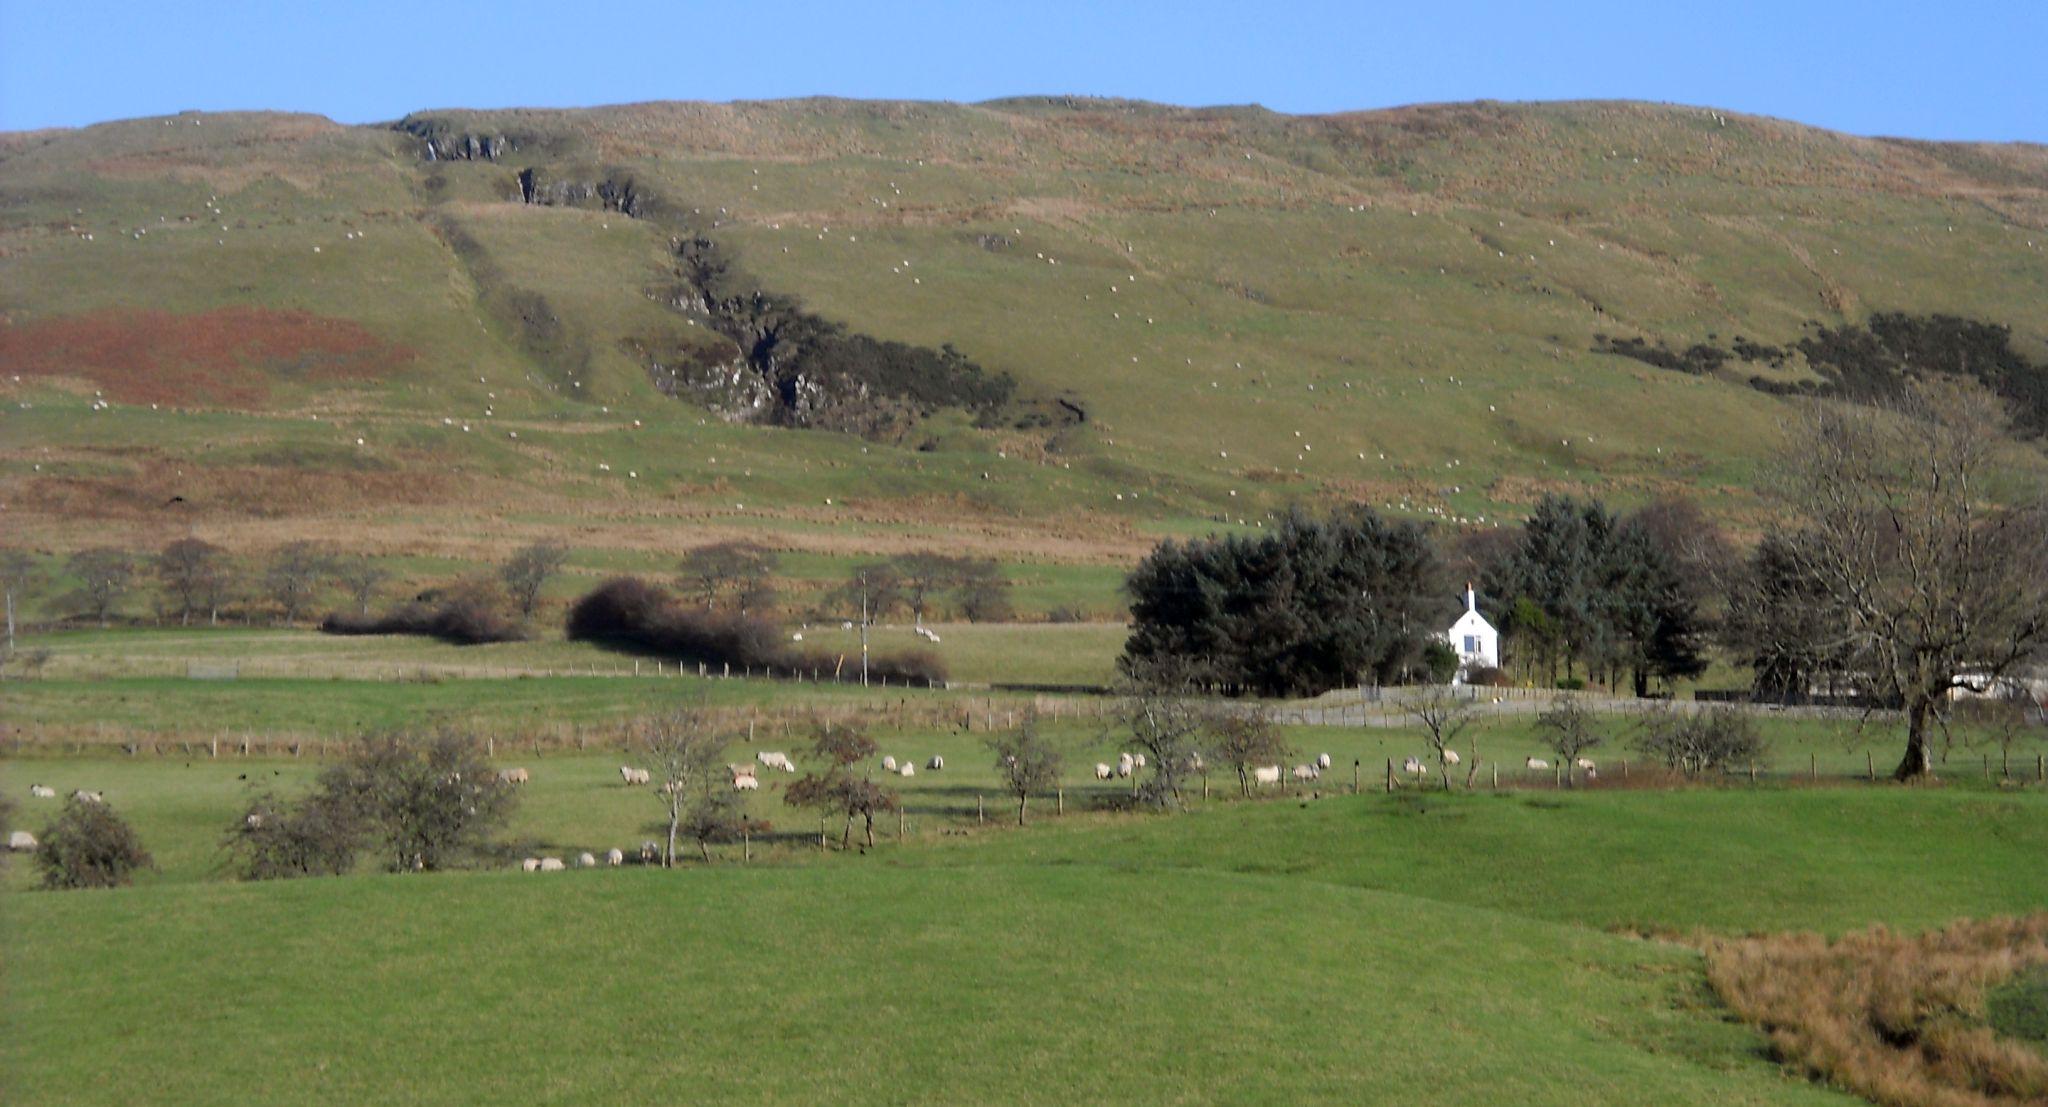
(1390, 776)
(980, 816)
(1869, 765)
(1059, 796)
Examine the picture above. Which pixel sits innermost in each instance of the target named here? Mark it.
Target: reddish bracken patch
(229, 357)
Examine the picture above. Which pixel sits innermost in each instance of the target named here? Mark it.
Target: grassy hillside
(306, 329)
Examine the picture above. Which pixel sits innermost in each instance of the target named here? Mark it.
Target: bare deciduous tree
(1927, 584)
(744, 570)
(1444, 715)
(685, 751)
(1245, 740)
(194, 572)
(293, 574)
(1025, 762)
(17, 576)
(1161, 715)
(528, 571)
(104, 574)
(1567, 728)
(361, 575)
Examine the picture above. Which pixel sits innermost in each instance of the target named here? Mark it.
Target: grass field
(1416, 948)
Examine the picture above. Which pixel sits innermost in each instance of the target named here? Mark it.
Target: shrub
(1696, 743)
(465, 615)
(1064, 614)
(1571, 684)
(427, 800)
(90, 847)
(318, 836)
(1486, 676)
(630, 614)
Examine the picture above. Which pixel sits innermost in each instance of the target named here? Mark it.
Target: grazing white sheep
(889, 764)
(512, 776)
(649, 852)
(1584, 763)
(1412, 766)
(1139, 760)
(1124, 769)
(41, 791)
(1306, 772)
(614, 857)
(1103, 772)
(21, 841)
(1266, 774)
(906, 769)
(1451, 758)
(1322, 761)
(1535, 763)
(744, 780)
(84, 796)
(634, 776)
(936, 763)
(551, 865)
(771, 759)
(585, 860)
(253, 821)
(531, 864)
(1195, 761)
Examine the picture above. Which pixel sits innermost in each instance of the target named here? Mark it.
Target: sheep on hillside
(906, 769)
(585, 860)
(1412, 766)
(512, 776)
(889, 764)
(650, 852)
(21, 841)
(614, 857)
(936, 763)
(551, 865)
(1536, 763)
(1306, 772)
(1322, 761)
(84, 796)
(634, 776)
(531, 864)
(1266, 774)
(1451, 757)
(41, 791)
(1103, 772)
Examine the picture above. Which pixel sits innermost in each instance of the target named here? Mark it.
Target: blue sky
(1963, 69)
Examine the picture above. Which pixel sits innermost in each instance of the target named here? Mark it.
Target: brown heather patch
(228, 357)
(1895, 1018)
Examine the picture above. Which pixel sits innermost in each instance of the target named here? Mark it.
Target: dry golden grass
(1896, 1018)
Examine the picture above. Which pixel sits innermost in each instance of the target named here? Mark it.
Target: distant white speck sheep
(531, 865)
(907, 769)
(649, 852)
(1451, 758)
(41, 791)
(586, 861)
(1536, 763)
(1584, 763)
(889, 764)
(633, 776)
(512, 776)
(614, 857)
(551, 865)
(84, 796)
(1103, 772)
(1306, 772)
(21, 841)
(1412, 766)
(1322, 761)
(936, 763)
(1266, 774)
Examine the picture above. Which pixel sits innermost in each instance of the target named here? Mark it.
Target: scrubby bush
(631, 614)
(1697, 743)
(466, 615)
(320, 835)
(90, 847)
(1486, 676)
(427, 800)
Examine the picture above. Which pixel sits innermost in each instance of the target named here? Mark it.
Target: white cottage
(1474, 639)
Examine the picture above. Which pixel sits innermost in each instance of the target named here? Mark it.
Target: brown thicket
(1896, 1018)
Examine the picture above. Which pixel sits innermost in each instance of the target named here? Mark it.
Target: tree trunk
(1915, 764)
(1022, 799)
(668, 860)
(869, 828)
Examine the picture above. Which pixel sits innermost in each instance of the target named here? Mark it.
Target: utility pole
(863, 630)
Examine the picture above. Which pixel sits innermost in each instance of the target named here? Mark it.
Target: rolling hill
(1048, 329)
